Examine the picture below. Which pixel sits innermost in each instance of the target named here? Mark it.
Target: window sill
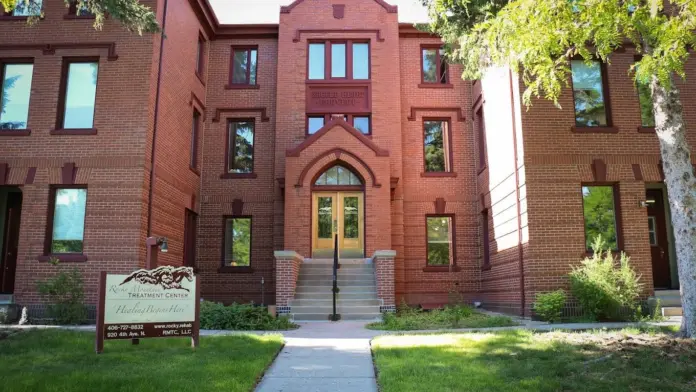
(486, 267)
(438, 174)
(10, 17)
(338, 81)
(71, 16)
(235, 270)
(443, 268)
(200, 78)
(64, 258)
(238, 175)
(615, 253)
(643, 129)
(13, 132)
(435, 85)
(74, 131)
(195, 171)
(602, 129)
(242, 87)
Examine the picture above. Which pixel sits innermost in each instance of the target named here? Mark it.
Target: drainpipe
(520, 252)
(154, 128)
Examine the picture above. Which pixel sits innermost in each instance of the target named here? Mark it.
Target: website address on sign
(167, 326)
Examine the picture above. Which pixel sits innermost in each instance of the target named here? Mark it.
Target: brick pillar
(287, 269)
(384, 274)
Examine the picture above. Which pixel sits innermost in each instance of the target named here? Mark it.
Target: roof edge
(392, 9)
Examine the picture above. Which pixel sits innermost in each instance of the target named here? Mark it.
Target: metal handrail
(335, 316)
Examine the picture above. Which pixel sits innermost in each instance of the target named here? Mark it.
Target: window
(440, 251)
(437, 146)
(362, 124)
(240, 144)
(244, 65)
(481, 128)
(23, 8)
(78, 94)
(81, 11)
(647, 115)
(335, 63)
(237, 242)
(190, 225)
(67, 230)
(434, 65)
(652, 230)
(194, 139)
(16, 90)
(486, 239)
(599, 209)
(338, 175)
(314, 123)
(591, 109)
(200, 57)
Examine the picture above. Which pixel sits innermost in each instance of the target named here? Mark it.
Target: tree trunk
(681, 189)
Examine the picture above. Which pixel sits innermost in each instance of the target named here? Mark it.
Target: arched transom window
(338, 175)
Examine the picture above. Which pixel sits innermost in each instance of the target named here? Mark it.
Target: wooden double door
(342, 214)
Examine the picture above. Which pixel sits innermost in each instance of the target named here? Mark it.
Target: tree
(537, 38)
(133, 16)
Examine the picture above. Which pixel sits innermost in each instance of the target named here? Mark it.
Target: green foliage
(133, 15)
(538, 37)
(65, 295)
(604, 288)
(600, 219)
(549, 306)
(241, 317)
(454, 316)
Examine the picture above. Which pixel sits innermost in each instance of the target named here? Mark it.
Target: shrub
(604, 287)
(549, 306)
(65, 293)
(241, 317)
(458, 316)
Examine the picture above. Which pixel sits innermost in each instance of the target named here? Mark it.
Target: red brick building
(250, 147)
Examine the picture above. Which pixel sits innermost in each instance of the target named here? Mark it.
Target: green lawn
(522, 361)
(58, 360)
(411, 319)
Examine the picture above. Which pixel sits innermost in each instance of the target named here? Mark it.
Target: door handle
(662, 253)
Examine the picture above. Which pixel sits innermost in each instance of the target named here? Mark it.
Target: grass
(410, 319)
(65, 361)
(515, 361)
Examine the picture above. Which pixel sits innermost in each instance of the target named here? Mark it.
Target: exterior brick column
(384, 274)
(287, 270)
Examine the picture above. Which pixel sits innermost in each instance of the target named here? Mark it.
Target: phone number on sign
(126, 327)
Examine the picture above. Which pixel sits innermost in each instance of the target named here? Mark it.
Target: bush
(65, 293)
(605, 288)
(241, 317)
(549, 306)
(457, 316)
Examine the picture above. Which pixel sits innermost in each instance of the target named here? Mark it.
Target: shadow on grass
(523, 361)
(42, 360)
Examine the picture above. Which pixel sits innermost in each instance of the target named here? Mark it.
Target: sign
(162, 302)
(338, 99)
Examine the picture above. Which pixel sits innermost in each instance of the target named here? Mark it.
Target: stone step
(342, 295)
(340, 261)
(342, 281)
(667, 293)
(342, 268)
(313, 273)
(340, 309)
(666, 300)
(324, 302)
(670, 311)
(326, 288)
(344, 317)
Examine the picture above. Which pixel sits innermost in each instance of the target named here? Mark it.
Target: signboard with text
(338, 99)
(162, 302)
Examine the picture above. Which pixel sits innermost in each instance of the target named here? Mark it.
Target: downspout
(520, 252)
(154, 128)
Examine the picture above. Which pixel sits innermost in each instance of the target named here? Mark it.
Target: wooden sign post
(149, 303)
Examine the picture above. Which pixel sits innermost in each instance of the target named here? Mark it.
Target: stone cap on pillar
(384, 254)
(287, 255)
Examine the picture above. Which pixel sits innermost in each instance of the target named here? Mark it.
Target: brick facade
(529, 187)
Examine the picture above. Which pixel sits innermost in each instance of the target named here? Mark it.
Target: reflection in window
(361, 61)
(436, 139)
(16, 90)
(80, 94)
(588, 91)
(600, 215)
(647, 115)
(325, 216)
(362, 124)
(244, 66)
(439, 240)
(237, 242)
(68, 230)
(338, 175)
(241, 147)
(338, 60)
(434, 65)
(314, 124)
(316, 61)
(652, 230)
(27, 8)
(350, 217)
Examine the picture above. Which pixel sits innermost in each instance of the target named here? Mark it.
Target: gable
(392, 9)
(337, 123)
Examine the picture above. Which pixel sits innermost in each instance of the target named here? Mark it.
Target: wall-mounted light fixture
(646, 203)
(162, 243)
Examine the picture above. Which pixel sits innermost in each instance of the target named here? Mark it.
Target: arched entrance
(338, 209)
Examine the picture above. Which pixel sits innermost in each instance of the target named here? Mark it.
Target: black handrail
(335, 316)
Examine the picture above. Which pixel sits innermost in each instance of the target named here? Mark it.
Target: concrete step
(670, 311)
(326, 288)
(6, 299)
(340, 261)
(341, 309)
(342, 295)
(341, 303)
(345, 317)
(350, 273)
(342, 281)
(343, 268)
(667, 293)
(673, 298)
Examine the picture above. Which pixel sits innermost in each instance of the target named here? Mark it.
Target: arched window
(338, 175)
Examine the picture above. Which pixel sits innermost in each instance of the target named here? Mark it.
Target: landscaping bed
(411, 319)
(60, 360)
(628, 360)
